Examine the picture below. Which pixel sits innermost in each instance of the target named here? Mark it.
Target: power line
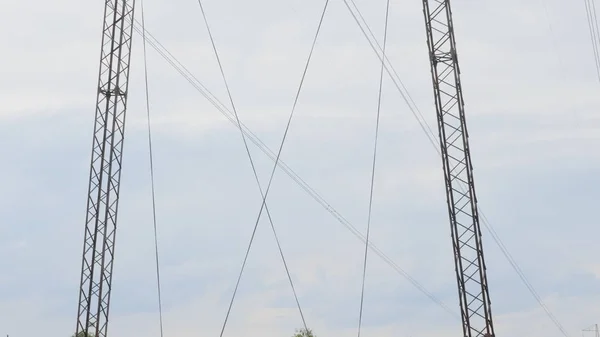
(391, 71)
(364, 275)
(287, 128)
(257, 182)
(151, 158)
(594, 27)
(195, 82)
(522, 276)
(325, 204)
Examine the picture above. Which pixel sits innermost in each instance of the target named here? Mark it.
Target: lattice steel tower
(458, 171)
(105, 172)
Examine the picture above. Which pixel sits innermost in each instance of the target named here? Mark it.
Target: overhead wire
(594, 27)
(197, 84)
(523, 278)
(287, 128)
(391, 71)
(152, 184)
(179, 67)
(493, 232)
(258, 184)
(315, 195)
(364, 275)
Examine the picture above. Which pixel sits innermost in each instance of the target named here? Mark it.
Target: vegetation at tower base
(304, 333)
(83, 334)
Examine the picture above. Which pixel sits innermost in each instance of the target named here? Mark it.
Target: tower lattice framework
(105, 172)
(470, 268)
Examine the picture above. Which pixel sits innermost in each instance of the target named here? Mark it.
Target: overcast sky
(531, 96)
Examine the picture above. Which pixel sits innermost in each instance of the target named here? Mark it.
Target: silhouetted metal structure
(594, 328)
(458, 171)
(105, 172)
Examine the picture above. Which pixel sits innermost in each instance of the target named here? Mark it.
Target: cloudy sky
(531, 95)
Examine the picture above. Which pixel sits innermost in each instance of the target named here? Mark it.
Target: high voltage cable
(522, 276)
(151, 158)
(493, 232)
(406, 96)
(592, 18)
(315, 195)
(193, 80)
(590, 6)
(364, 275)
(287, 128)
(259, 187)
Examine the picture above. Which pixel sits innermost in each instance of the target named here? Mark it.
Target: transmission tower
(458, 171)
(105, 172)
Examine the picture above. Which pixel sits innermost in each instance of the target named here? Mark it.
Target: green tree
(304, 333)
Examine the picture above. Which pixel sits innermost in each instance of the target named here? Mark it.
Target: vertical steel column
(458, 171)
(105, 172)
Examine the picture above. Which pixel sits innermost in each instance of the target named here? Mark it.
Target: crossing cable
(364, 276)
(257, 182)
(151, 158)
(195, 82)
(391, 71)
(287, 128)
(592, 18)
(491, 229)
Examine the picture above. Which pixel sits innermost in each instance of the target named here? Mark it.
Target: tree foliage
(83, 334)
(304, 333)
